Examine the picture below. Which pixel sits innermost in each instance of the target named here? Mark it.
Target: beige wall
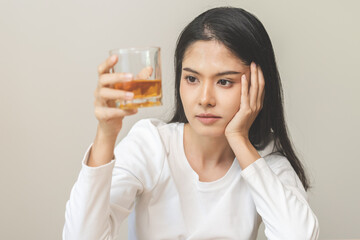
(49, 52)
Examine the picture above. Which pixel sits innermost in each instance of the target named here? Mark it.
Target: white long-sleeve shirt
(152, 182)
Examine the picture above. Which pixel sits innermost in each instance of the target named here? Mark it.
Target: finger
(244, 91)
(254, 86)
(261, 94)
(109, 93)
(145, 73)
(109, 79)
(107, 65)
(106, 114)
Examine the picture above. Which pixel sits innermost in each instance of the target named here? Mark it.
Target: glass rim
(133, 49)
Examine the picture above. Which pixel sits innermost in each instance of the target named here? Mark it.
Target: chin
(211, 131)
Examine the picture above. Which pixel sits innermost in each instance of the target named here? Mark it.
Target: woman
(221, 166)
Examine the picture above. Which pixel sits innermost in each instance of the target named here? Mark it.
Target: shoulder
(278, 162)
(148, 124)
(152, 125)
(145, 134)
(144, 149)
(154, 129)
(281, 167)
(155, 132)
(275, 160)
(142, 152)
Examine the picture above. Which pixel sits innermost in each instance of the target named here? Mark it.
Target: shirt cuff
(103, 169)
(254, 168)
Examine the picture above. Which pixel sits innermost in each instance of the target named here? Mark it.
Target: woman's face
(210, 86)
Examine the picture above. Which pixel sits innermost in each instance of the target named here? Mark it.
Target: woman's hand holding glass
(109, 117)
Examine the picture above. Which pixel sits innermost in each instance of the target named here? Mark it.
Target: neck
(207, 152)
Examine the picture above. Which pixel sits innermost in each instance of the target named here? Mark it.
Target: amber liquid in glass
(147, 93)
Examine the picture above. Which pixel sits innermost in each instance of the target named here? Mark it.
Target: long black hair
(245, 36)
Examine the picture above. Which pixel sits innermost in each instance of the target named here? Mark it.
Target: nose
(207, 98)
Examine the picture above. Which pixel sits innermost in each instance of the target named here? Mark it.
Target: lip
(207, 118)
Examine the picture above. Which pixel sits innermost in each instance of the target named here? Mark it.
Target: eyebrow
(217, 75)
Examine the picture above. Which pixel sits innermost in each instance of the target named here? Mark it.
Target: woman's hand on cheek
(250, 105)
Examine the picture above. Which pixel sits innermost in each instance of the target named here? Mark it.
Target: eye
(191, 79)
(224, 82)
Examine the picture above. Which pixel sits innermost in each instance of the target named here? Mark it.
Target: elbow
(73, 234)
(313, 228)
(305, 230)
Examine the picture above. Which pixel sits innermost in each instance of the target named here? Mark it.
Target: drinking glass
(145, 66)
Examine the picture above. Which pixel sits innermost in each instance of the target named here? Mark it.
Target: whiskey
(147, 93)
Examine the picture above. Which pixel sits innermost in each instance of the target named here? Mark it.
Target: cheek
(181, 90)
(232, 106)
(235, 106)
(184, 95)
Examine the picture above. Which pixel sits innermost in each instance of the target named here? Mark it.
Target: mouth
(207, 118)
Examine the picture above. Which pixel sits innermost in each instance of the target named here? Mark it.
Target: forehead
(213, 54)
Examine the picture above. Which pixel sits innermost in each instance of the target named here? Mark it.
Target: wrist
(106, 135)
(102, 150)
(244, 151)
(237, 137)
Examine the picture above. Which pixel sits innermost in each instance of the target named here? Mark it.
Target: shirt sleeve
(104, 196)
(280, 199)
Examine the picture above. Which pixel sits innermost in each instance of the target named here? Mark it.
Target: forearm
(283, 208)
(244, 151)
(88, 209)
(280, 200)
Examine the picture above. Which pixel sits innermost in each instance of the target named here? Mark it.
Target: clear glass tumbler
(145, 66)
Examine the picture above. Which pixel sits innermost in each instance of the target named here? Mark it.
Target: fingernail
(243, 77)
(129, 95)
(113, 58)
